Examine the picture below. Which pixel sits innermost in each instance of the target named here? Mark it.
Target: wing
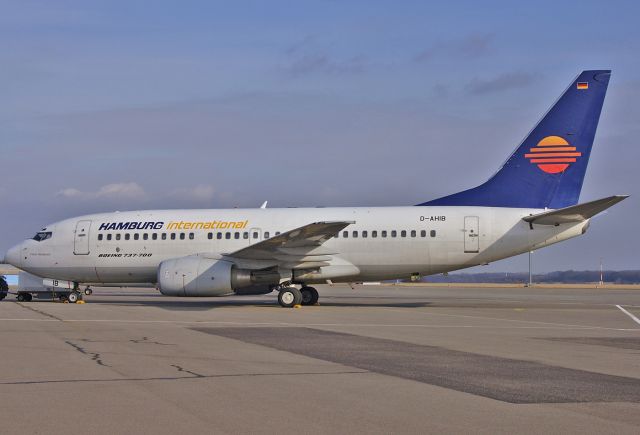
(300, 248)
(575, 213)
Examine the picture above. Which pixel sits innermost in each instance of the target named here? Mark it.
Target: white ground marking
(302, 325)
(466, 316)
(634, 318)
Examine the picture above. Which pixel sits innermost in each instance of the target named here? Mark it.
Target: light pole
(530, 275)
(601, 273)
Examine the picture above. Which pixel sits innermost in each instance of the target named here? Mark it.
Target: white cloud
(201, 193)
(109, 191)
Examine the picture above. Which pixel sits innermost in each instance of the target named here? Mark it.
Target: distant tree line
(566, 277)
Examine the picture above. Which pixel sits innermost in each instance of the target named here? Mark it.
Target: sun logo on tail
(553, 154)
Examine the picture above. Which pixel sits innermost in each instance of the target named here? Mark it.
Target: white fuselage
(390, 242)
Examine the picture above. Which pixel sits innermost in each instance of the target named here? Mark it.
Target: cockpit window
(42, 235)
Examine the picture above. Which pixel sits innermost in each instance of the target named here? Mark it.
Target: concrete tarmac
(374, 359)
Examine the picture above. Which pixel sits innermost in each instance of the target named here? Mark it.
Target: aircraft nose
(13, 256)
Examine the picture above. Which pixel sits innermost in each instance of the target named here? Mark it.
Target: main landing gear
(289, 296)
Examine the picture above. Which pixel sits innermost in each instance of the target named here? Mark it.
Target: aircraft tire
(88, 291)
(289, 297)
(310, 296)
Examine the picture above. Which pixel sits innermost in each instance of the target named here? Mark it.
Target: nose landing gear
(76, 295)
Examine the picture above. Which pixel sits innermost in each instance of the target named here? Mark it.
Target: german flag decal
(583, 85)
(553, 154)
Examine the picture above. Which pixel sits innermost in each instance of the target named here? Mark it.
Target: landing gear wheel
(21, 297)
(73, 297)
(289, 297)
(88, 291)
(309, 296)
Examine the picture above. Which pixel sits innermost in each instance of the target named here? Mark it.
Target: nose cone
(13, 257)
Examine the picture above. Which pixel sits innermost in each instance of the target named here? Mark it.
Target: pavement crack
(146, 340)
(194, 374)
(95, 356)
(35, 310)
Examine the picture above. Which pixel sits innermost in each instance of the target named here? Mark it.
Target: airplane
(529, 203)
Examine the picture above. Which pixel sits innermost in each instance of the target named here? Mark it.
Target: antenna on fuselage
(264, 204)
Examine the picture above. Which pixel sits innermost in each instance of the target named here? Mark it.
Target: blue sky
(128, 104)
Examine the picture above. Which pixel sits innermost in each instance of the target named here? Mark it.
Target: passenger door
(81, 238)
(471, 234)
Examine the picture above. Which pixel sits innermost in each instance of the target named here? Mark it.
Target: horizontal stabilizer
(575, 213)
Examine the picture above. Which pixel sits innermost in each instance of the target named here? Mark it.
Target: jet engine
(200, 276)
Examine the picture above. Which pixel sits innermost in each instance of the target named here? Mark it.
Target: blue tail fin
(547, 169)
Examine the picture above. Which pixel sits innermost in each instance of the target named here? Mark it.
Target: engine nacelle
(199, 276)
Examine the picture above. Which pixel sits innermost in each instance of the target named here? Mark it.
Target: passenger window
(145, 236)
(219, 235)
(433, 233)
(364, 234)
(108, 236)
(236, 235)
(423, 233)
(403, 233)
(154, 236)
(413, 233)
(384, 233)
(191, 236)
(245, 235)
(374, 234)
(118, 236)
(227, 236)
(209, 236)
(173, 236)
(164, 236)
(255, 234)
(345, 234)
(136, 236)
(277, 233)
(393, 233)
(181, 236)
(266, 234)
(127, 236)
(99, 236)
(354, 234)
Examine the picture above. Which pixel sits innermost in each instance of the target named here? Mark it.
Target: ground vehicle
(4, 288)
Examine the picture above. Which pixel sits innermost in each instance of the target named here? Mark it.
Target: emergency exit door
(471, 234)
(81, 238)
